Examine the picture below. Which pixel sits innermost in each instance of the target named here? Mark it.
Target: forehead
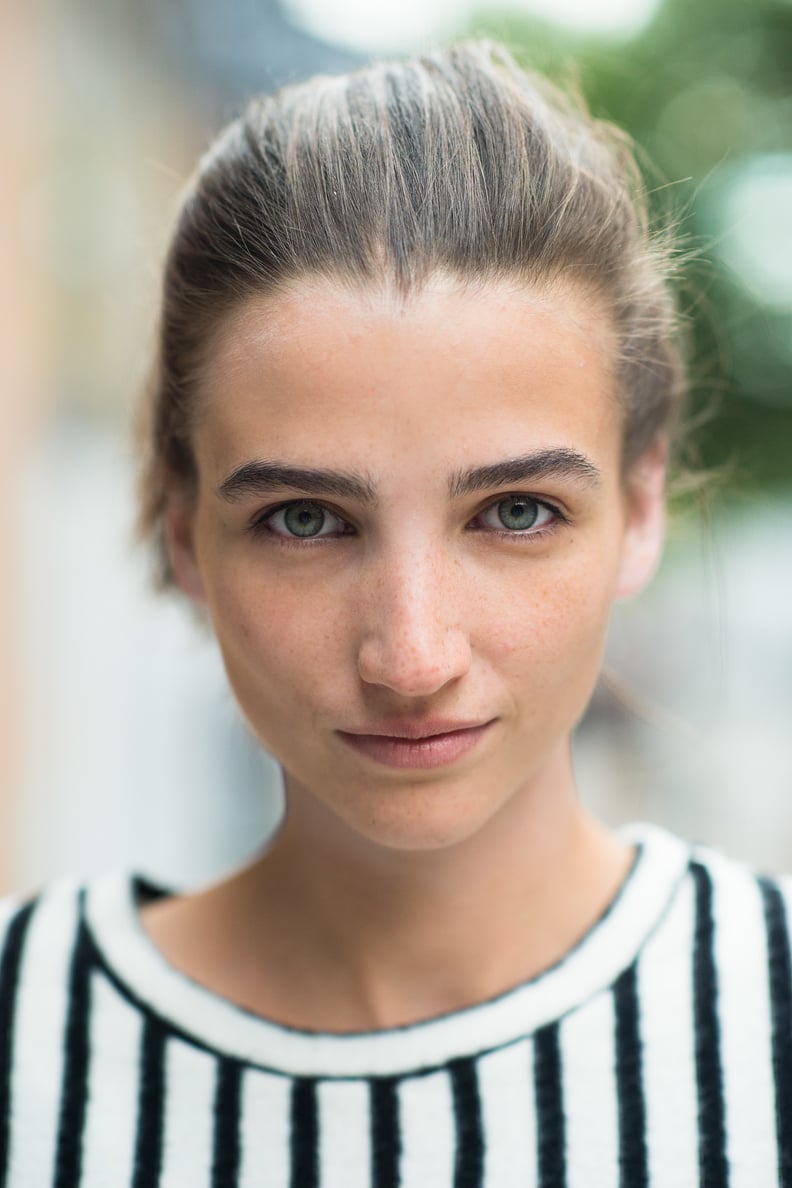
(450, 374)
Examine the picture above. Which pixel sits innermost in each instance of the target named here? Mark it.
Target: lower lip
(438, 750)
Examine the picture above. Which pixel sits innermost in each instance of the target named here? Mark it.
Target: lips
(426, 744)
(409, 728)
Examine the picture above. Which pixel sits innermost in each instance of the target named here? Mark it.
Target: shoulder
(49, 994)
(717, 921)
(43, 937)
(734, 891)
(48, 919)
(39, 941)
(742, 920)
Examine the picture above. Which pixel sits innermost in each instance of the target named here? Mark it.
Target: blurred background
(119, 744)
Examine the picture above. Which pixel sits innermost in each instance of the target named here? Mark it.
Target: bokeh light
(755, 213)
(391, 27)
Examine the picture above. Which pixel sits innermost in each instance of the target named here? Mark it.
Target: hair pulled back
(455, 161)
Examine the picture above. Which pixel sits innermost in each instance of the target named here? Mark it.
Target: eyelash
(260, 527)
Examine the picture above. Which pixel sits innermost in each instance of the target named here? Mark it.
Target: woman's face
(409, 531)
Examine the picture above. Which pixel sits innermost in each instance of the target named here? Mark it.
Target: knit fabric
(657, 1053)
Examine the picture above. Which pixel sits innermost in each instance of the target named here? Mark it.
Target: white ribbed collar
(591, 966)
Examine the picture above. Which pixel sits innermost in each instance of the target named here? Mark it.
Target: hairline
(232, 318)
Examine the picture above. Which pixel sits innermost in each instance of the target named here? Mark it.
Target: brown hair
(455, 161)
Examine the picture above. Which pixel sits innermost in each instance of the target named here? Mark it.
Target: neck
(408, 935)
(329, 932)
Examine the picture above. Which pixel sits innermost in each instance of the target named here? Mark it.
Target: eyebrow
(261, 478)
(541, 464)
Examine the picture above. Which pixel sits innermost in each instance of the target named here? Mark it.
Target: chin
(424, 821)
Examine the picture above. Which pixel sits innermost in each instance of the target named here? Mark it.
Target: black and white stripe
(551, 1119)
(74, 1077)
(468, 1135)
(633, 1159)
(225, 1136)
(304, 1138)
(115, 1039)
(40, 1040)
(672, 1069)
(10, 963)
(706, 1025)
(739, 954)
(385, 1133)
(776, 916)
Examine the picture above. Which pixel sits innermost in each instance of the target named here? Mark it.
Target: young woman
(414, 398)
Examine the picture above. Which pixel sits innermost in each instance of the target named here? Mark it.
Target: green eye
(517, 512)
(304, 519)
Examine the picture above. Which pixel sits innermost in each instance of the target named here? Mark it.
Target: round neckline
(591, 966)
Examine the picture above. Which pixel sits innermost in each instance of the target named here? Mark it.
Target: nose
(412, 639)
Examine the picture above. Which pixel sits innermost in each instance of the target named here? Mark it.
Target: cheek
(278, 639)
(542, 606)
(548, 629)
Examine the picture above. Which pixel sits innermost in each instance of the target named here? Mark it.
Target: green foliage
(706, 92)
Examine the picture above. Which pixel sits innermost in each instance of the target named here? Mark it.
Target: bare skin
(401, 887)
(314, 938)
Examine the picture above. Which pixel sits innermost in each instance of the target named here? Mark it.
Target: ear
(179, 525)
(644, 500)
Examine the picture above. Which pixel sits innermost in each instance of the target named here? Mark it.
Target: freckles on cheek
(262, 619)
(546, 625)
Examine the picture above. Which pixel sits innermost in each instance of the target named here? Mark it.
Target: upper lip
(410, 729)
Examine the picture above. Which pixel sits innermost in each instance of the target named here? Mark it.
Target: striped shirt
(657, 1053)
